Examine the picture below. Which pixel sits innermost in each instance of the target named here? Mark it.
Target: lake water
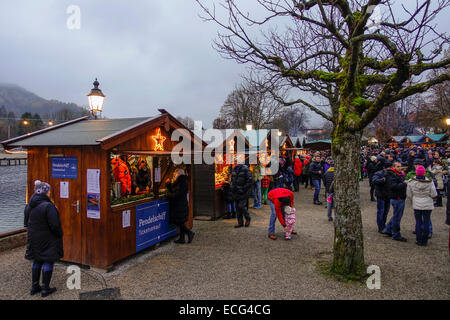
(13, 185)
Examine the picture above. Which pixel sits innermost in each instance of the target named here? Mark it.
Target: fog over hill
(19, 100)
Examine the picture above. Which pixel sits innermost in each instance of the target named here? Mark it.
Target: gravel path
(227, 263)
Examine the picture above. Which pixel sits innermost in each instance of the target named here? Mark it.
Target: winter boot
(191, 236)
(180, 240)
(227, 215)
(46, 290)
(35, 276)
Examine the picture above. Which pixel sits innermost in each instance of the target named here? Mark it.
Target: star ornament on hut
(159, 140)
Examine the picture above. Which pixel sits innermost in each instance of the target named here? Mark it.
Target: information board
(152, 224)
(65, 167)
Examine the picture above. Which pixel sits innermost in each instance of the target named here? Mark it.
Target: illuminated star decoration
(159, 140)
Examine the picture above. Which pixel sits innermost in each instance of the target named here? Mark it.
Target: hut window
(131, 175)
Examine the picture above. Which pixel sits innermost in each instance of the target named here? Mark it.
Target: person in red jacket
(278, 199)
(122, 174)
(298, 168)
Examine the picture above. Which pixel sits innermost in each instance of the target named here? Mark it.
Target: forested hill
(18, 100)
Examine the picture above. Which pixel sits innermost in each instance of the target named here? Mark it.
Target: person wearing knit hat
(41, 187)
(44, 240)
(421, 191)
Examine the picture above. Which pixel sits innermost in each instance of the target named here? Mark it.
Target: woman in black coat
(178, 204)
(44, 244)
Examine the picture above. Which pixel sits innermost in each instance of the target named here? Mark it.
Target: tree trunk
(348, 240)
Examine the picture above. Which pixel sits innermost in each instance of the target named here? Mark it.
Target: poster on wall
(64, 190)
(64, 167)
(126, 218)
(93, 206)
(93, 180)
(152, 224)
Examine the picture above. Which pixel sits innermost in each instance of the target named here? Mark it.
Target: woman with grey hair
(44, 245)
(178, 204)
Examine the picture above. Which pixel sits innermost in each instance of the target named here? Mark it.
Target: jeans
(422, 226)
(316, 184)
(46, 266)
(273, 218)
(231, 206)
(257, 194)
(394, 224)
(383, 206)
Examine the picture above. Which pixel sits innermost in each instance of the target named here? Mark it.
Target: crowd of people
(394, 176)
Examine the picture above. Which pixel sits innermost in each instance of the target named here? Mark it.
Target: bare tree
(187, 121)
(434, 107)
(352, 64)
(249, 103)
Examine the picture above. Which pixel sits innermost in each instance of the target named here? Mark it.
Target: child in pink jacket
(289, 218)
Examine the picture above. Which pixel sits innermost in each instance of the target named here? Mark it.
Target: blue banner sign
(152, 224)
(65, 167)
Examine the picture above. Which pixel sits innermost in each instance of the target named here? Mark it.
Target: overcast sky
(146, 55)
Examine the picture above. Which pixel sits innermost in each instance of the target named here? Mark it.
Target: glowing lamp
(96, 99)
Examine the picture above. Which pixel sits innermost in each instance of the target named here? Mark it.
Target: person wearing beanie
(44, 244)
(373, 165)
(420, 192)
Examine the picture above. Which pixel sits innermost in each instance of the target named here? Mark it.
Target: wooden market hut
(318, 145)
(210, 178)
(77, 157)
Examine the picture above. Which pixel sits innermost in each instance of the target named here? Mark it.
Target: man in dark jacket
(178, 204)
(373, 165)
(316, 171)
(396, 188)
(383, 200)
(44, 245)
(241, 185)
(447, 219)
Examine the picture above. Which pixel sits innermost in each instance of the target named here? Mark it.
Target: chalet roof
(398, 138)
(436, 137)
(84, 132)
(414, 139)
(318, 141)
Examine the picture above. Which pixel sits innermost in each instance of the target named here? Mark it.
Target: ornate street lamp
(96, 99)
(448, 121)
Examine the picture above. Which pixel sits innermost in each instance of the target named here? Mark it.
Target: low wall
(13, 239)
